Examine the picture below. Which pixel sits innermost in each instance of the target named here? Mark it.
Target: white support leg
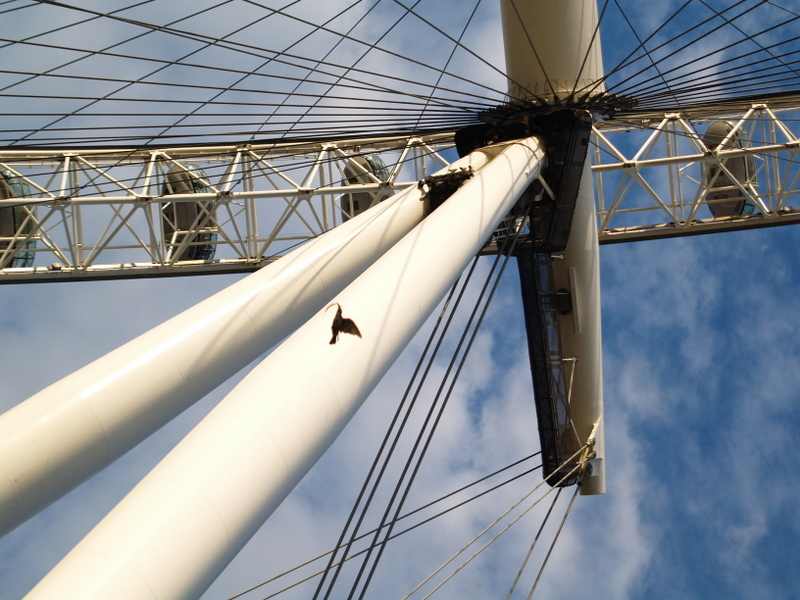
(176, 531)
(71, 430)
(581, 337)
(553, 49)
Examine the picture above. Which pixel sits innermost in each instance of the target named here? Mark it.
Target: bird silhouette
(342, 325)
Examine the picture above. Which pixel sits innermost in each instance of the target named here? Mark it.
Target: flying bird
(342, 325)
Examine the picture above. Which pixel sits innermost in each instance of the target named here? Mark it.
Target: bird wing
(348, 326)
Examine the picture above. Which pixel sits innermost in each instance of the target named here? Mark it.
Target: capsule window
(16, 221)
(724, 196)
(179, 219)
(361, 170)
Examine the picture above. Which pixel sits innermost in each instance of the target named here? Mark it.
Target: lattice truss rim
(646, 188)
(658, 188)
(255, 200)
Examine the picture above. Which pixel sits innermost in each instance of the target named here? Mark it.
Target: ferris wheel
(365, 171)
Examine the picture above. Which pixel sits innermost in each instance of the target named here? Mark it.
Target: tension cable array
(697, 55)
(397, 534)
(572, 472)
(368, 88)
(700, 54)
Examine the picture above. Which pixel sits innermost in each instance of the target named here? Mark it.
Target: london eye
(192, 197)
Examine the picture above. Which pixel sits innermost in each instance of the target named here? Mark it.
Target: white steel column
(552, 49)
(581, 337)
(69, 431)
(176, 531)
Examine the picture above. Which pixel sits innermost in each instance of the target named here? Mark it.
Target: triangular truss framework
(101, 213)
(656, 188)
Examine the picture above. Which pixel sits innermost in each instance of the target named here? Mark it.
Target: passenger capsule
(178, 218)
(724, 197)
(13, 220)
(357, 171)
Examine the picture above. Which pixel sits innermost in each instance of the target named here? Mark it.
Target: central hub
(537, 116)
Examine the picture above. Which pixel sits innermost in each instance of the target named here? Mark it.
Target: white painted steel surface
(176, 531)
(552, 47)
(581, 335)
(72, 429)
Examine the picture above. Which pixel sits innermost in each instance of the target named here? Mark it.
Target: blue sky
(701, 359)
(701, 369)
